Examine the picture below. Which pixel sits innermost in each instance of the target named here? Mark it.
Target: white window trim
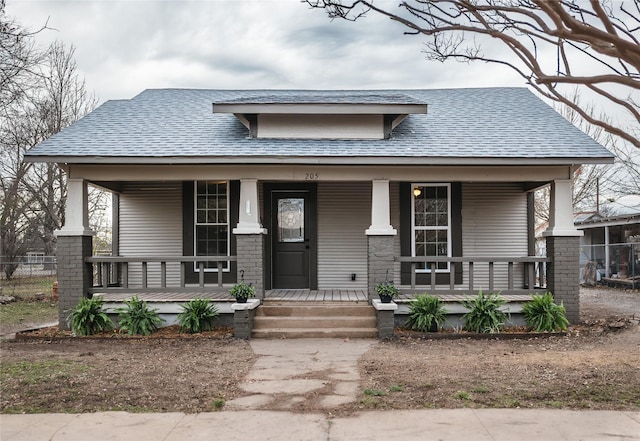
(414, 228)
(35, 257)
(195, 225)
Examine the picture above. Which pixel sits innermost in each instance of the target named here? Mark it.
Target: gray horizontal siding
(344, 213)
(494, 224)
(151, 225)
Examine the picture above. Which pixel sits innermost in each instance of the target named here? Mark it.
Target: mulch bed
(510, 333)
(167, 332)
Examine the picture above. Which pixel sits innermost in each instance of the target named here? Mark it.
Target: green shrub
(426, 313)
(138, 318)
(88, 317)
(485, 315)
(198, 315)
(544, 315)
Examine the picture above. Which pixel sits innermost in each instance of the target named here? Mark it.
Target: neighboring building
(322, 190)
(612, 245)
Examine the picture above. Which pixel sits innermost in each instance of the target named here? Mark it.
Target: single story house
(321, 191)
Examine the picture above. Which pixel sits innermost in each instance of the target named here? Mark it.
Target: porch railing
(533, 267)
(112, 272)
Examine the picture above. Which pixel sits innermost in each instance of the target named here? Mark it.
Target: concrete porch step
(266, 322)
(278, 319)
(316, 333)
(317, 309)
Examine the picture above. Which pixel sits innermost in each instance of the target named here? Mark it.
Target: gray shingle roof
(486, 126)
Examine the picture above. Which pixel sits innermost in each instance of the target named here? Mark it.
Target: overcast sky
(124, 47)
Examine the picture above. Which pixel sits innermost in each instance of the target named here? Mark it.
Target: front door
(293, 237)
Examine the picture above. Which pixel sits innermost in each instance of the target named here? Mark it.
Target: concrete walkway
(439, 424)
(290, 374)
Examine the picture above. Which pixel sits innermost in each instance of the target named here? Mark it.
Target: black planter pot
(241, 300)
(385, 299)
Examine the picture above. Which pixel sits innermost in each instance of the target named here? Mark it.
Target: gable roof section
(490, 126)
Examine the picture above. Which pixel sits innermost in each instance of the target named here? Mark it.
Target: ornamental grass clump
(426, 313)
(542, 314)
(137, 318)
(88, 317)
(485, 314)
(198, 315)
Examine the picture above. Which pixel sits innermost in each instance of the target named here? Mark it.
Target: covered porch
(366, 232)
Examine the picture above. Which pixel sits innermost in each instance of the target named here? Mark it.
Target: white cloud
(124, 47)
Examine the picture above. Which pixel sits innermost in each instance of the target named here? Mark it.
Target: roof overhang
(319, 160)
(320, 108)
(626, 219)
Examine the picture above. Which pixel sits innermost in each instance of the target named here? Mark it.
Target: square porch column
(74, 245)
(250, 237)
(380, 238)
(563, 248)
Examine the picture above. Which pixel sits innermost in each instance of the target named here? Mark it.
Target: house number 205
(311, 176)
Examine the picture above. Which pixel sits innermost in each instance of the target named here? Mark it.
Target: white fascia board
(631, 220)
(319, 109)
(317, 160)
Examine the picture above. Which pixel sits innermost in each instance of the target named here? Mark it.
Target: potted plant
(387, 291)
(426, 313)
(241, 291)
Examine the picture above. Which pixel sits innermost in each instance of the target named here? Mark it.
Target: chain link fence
(31, 276)
(613, 265)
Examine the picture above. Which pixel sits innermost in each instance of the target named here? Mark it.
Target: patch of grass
(480, 389)
(370, 403)
(37, 372)
(396, 388)
(374, 392)
(462, 395)
(28, 312)
(218, 404)
(554, 404)
(27, 288)
(428, 386)
(508, 401)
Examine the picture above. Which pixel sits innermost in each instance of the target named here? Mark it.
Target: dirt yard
(595, 366)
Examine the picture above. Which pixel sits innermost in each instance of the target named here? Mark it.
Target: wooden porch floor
(317, 295)
(286, 295)
(222, 295)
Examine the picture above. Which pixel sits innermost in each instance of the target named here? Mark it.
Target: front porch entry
(291, 242)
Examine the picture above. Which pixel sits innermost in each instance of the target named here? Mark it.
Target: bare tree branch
(32, 194)
(602, 35)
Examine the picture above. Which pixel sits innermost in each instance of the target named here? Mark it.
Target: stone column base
(75, 277)
(563, 273)
(250, 251)
(243, 314)
(386, 320)
(379, 262)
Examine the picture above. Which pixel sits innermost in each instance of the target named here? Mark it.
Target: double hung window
(431, 223)
(212, 221)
